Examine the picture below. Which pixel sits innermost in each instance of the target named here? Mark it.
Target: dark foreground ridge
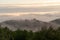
(43, 34)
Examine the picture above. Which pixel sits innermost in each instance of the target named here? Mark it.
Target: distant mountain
(34, 25)
(57, 21)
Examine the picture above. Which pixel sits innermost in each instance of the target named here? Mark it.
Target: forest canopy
(44, 34)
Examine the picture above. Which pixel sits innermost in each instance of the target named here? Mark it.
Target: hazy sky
(14, 6)
(18, 6)
(10, 9)
(26, 1)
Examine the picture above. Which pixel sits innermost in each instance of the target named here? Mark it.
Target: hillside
(34, 24)
(57, 21)
(24, 24)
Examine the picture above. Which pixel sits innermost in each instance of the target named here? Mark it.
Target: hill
(57, 21)
(34, 24)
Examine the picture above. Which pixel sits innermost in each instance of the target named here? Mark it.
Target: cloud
(45, 17)
(29, 9)
(14, 12)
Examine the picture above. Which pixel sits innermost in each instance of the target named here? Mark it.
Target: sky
(26, 1)
(47, 9)
(13, 6)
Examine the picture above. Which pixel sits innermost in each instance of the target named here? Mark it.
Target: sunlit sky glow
(26, 1)
(28, 4)
(24, 13)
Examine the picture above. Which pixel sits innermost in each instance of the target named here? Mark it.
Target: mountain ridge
(34, 24)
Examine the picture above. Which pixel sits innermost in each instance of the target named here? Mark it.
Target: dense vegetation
(43, 34)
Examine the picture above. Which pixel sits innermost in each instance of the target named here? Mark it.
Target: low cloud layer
(45, 17)
(11, 13)
(29, 9)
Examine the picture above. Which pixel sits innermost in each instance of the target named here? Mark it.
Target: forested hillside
(43, 34)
